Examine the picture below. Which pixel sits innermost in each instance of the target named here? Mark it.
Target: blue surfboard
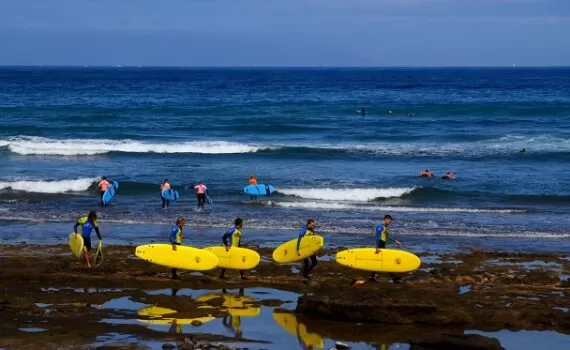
(208, 198)
(170, 195)
(110, 192)
(259, 190)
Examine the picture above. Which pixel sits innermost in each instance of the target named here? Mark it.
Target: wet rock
(168, 346)
(342, 346)
(373, 307)
(456, 341)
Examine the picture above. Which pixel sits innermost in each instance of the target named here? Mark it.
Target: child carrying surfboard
(232, 238)
(175, 238)
(382, 235)
(164, 187)
(87, 223)
(310, 262)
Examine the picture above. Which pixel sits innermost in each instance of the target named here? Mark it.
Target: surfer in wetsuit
(87, 223)
(201, 194)
(164, 187)
(232, 238)
(103, 185)
(175, 238)
(382, 235)
(310, 262)
(448, 176)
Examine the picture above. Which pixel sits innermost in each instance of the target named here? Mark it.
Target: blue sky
(285, 33)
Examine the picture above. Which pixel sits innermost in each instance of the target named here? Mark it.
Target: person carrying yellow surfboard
(175, 238)
(310, 262)
(87, 223)
(382, 235)
(232, 238)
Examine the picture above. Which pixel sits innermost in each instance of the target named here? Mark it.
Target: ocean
(299, 130)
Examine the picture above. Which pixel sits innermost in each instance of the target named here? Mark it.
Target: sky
(285, 32)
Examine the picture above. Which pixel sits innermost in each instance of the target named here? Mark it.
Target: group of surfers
(201, 190)
(232, 237)
(447, 176)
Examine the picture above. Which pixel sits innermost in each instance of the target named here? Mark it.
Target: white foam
(347, 194)
(343, 206)
(28, 145)
(525, 235)
(63, 186)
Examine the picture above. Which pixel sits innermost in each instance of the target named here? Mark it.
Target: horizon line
(514, 66)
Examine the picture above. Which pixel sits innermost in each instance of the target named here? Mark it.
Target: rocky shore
(44, 287)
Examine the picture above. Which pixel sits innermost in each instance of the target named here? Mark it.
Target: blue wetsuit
(310, 262)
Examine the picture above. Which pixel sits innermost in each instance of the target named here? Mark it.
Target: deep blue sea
(299, 130)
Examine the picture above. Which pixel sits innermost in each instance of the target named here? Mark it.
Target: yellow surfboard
(76, 244)
(156, 315)
(155, 311)
(235, 258)
(236, 305)
(287, 252)
(99, 254)
(185, 258)
(387, 260)
(289, 322)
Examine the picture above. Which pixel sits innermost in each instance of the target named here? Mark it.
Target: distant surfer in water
(201, 194)
(362, 111)
(87, 223)
(523, 150)
(448, 176)
(426, 173)
(175, 238)
(252, 182)
(382, 235)
(164, 187)
(103, 185)
(310, 262)
(232, 238)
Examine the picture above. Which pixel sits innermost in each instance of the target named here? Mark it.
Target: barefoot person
(87, 223)
(382, 235)
(310, 262)
(103, 185)
(232, 238)
(175, 238)
(201, 194)
(164, 187)
(252, 182)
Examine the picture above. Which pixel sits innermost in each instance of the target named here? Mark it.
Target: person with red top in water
(252, 180)
(103, 186)
(426, 173)
(201, 194)
(164, 187)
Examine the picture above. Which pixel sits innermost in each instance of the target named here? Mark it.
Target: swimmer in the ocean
(362, 111)
(426, 173)
(448, 176)
(523, 150)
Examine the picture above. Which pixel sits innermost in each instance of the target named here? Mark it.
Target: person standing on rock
(175, 238)
(232, 238)
(382, 235)
(310, 262)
